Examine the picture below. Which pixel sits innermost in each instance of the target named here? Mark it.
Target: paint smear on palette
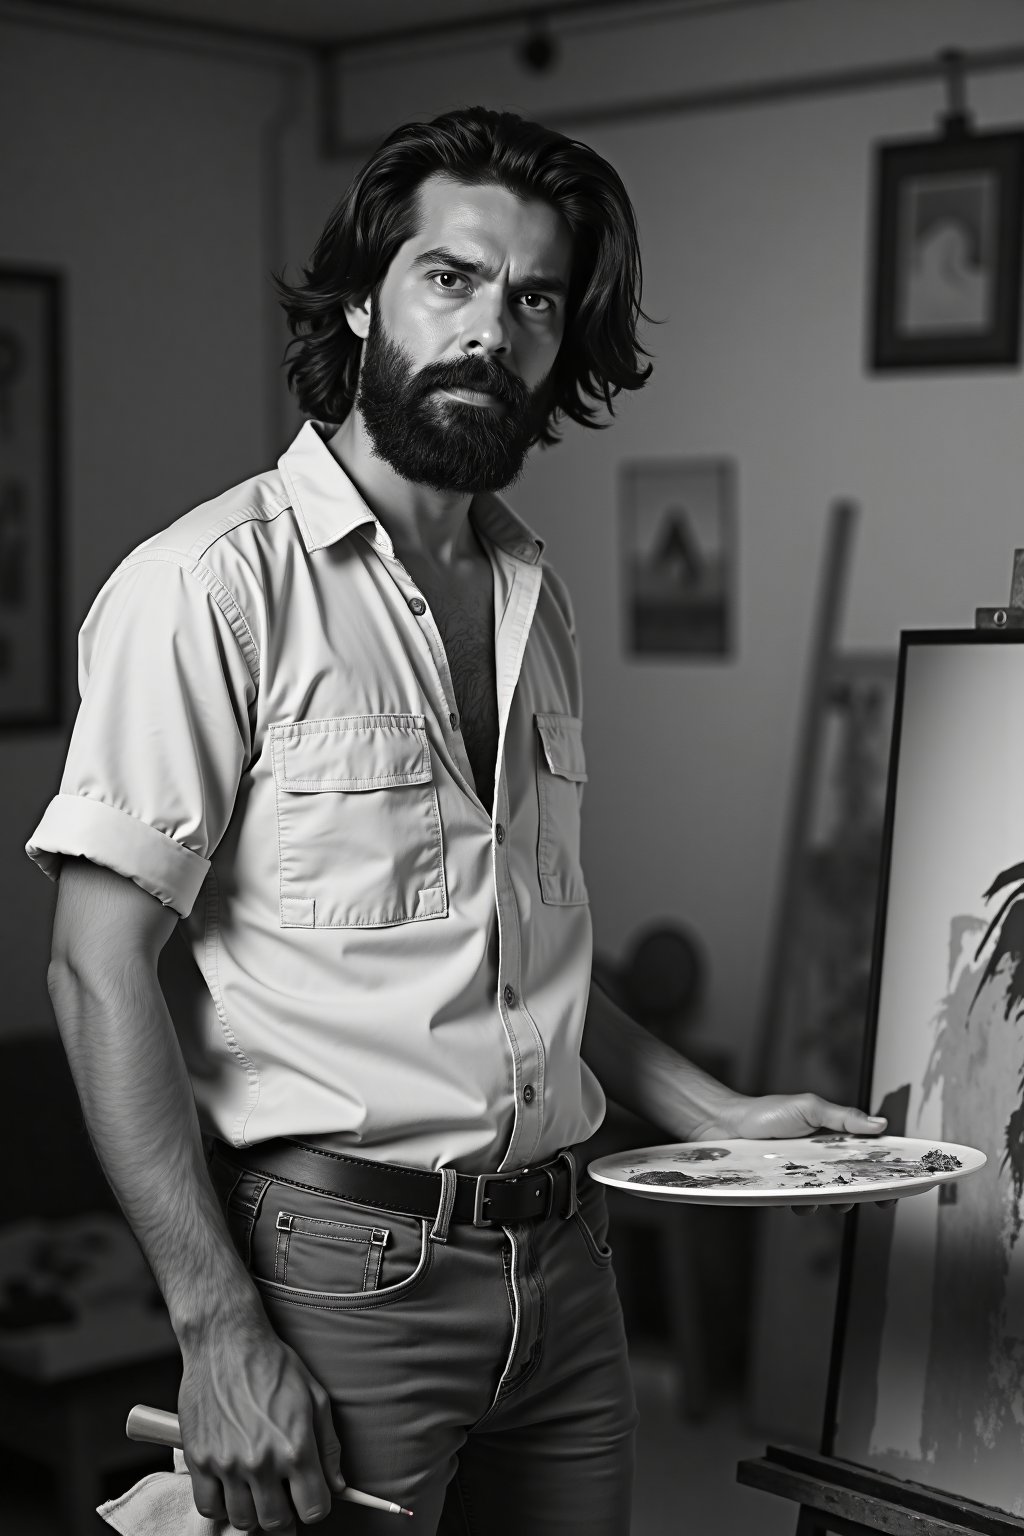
(700, 1155)
(691, 1180)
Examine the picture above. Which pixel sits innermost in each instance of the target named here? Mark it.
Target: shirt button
(453, 721)
(499, 833)
(510, 996)
(417, 605)
(528, 1094)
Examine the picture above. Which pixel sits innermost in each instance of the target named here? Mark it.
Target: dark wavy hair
(600, 353)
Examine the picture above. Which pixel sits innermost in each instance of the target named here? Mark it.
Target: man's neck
(429, 528)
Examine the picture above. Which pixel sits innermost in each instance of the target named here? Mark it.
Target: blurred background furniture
(682, 1270)
(83, 1331)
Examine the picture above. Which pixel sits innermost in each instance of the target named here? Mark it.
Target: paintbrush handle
(159, 1427)
(155, 1425)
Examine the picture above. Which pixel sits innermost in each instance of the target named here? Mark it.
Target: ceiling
(329, 20)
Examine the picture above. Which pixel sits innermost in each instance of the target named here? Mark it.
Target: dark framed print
(678, 528)
(927, 1381)
(949, 214)
(30, 491)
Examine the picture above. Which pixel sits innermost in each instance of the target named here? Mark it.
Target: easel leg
(808, 1523)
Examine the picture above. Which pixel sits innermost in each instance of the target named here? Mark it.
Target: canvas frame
(900, 164)
(829, 1438)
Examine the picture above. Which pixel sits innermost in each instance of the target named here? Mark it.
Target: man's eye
(537, 303)
(448, 281)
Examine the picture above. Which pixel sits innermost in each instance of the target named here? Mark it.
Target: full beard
(440, 442)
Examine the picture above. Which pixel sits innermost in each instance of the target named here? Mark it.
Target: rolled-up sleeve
(162, 736)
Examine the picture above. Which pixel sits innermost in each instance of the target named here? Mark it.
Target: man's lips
(477, 397)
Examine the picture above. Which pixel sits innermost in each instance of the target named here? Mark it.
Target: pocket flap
(351, 752)
(562, 736)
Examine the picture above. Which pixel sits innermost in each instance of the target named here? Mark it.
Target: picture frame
(678, 557)
(31, 586)
(948, 222)
(927, 1371)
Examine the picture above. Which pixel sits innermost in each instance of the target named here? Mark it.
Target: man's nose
(485, 331)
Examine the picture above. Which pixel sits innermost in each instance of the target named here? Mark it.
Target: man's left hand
(783, 1115)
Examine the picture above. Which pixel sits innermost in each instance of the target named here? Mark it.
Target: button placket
(418, 607)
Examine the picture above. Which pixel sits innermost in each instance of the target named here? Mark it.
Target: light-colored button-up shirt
(268, 742)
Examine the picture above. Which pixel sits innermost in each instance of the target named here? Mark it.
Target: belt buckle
(480, 1198)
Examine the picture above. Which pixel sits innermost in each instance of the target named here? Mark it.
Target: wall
(141, 167)
(148, 173)
(754, 223)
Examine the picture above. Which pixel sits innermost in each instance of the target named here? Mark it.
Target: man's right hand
(256, 1429)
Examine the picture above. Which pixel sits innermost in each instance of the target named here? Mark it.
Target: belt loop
(439, 1231)
(567, 1155)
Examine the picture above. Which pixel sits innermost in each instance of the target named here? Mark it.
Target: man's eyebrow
(441, 256)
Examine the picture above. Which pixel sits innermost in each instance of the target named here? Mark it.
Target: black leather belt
(486, 1200)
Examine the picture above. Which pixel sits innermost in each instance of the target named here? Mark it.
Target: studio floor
(686, 1473)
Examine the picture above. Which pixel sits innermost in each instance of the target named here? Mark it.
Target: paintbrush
(159, 1427)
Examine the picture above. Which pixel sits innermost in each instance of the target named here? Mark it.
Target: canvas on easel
(924, 1427)
(929, 1369)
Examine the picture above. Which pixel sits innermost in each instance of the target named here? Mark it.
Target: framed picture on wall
(949, 215)
(928, 1362)
(30, 489)
(678, 531)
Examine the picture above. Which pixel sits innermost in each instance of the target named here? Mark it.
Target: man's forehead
(490, 220)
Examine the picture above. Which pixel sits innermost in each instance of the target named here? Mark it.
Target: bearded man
(330, 733)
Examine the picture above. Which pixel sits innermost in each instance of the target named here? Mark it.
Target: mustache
(475, 373)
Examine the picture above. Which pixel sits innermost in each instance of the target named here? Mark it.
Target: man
(331, 733)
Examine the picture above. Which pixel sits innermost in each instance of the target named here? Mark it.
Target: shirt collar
(328, 507)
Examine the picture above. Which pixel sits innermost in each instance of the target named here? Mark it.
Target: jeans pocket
(599, 1252)
(322, 1251)
(593, 1226)
(353, 1256)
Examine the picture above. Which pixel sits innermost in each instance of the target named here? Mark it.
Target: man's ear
(358, 316)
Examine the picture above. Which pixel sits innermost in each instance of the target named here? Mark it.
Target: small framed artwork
(927, 1381)
(678, 528)
(30, 490)
(949, 215)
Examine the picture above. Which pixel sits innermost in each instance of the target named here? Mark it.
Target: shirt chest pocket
(561, 775)
(359, 830)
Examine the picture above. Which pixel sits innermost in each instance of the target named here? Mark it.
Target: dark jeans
(481, 1381)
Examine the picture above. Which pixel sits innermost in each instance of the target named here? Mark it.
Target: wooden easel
(841, 1498)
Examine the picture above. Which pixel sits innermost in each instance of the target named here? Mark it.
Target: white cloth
(162, 1505)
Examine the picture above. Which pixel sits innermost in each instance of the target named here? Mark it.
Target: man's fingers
(843, 1117)
(327, 1440)
(241, 1506)
(273, 1511)
(308, 1487)
(803, 1210)
(208, 1495)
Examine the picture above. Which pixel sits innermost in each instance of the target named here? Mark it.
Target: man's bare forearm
(646, 1076)
(141, 1117)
